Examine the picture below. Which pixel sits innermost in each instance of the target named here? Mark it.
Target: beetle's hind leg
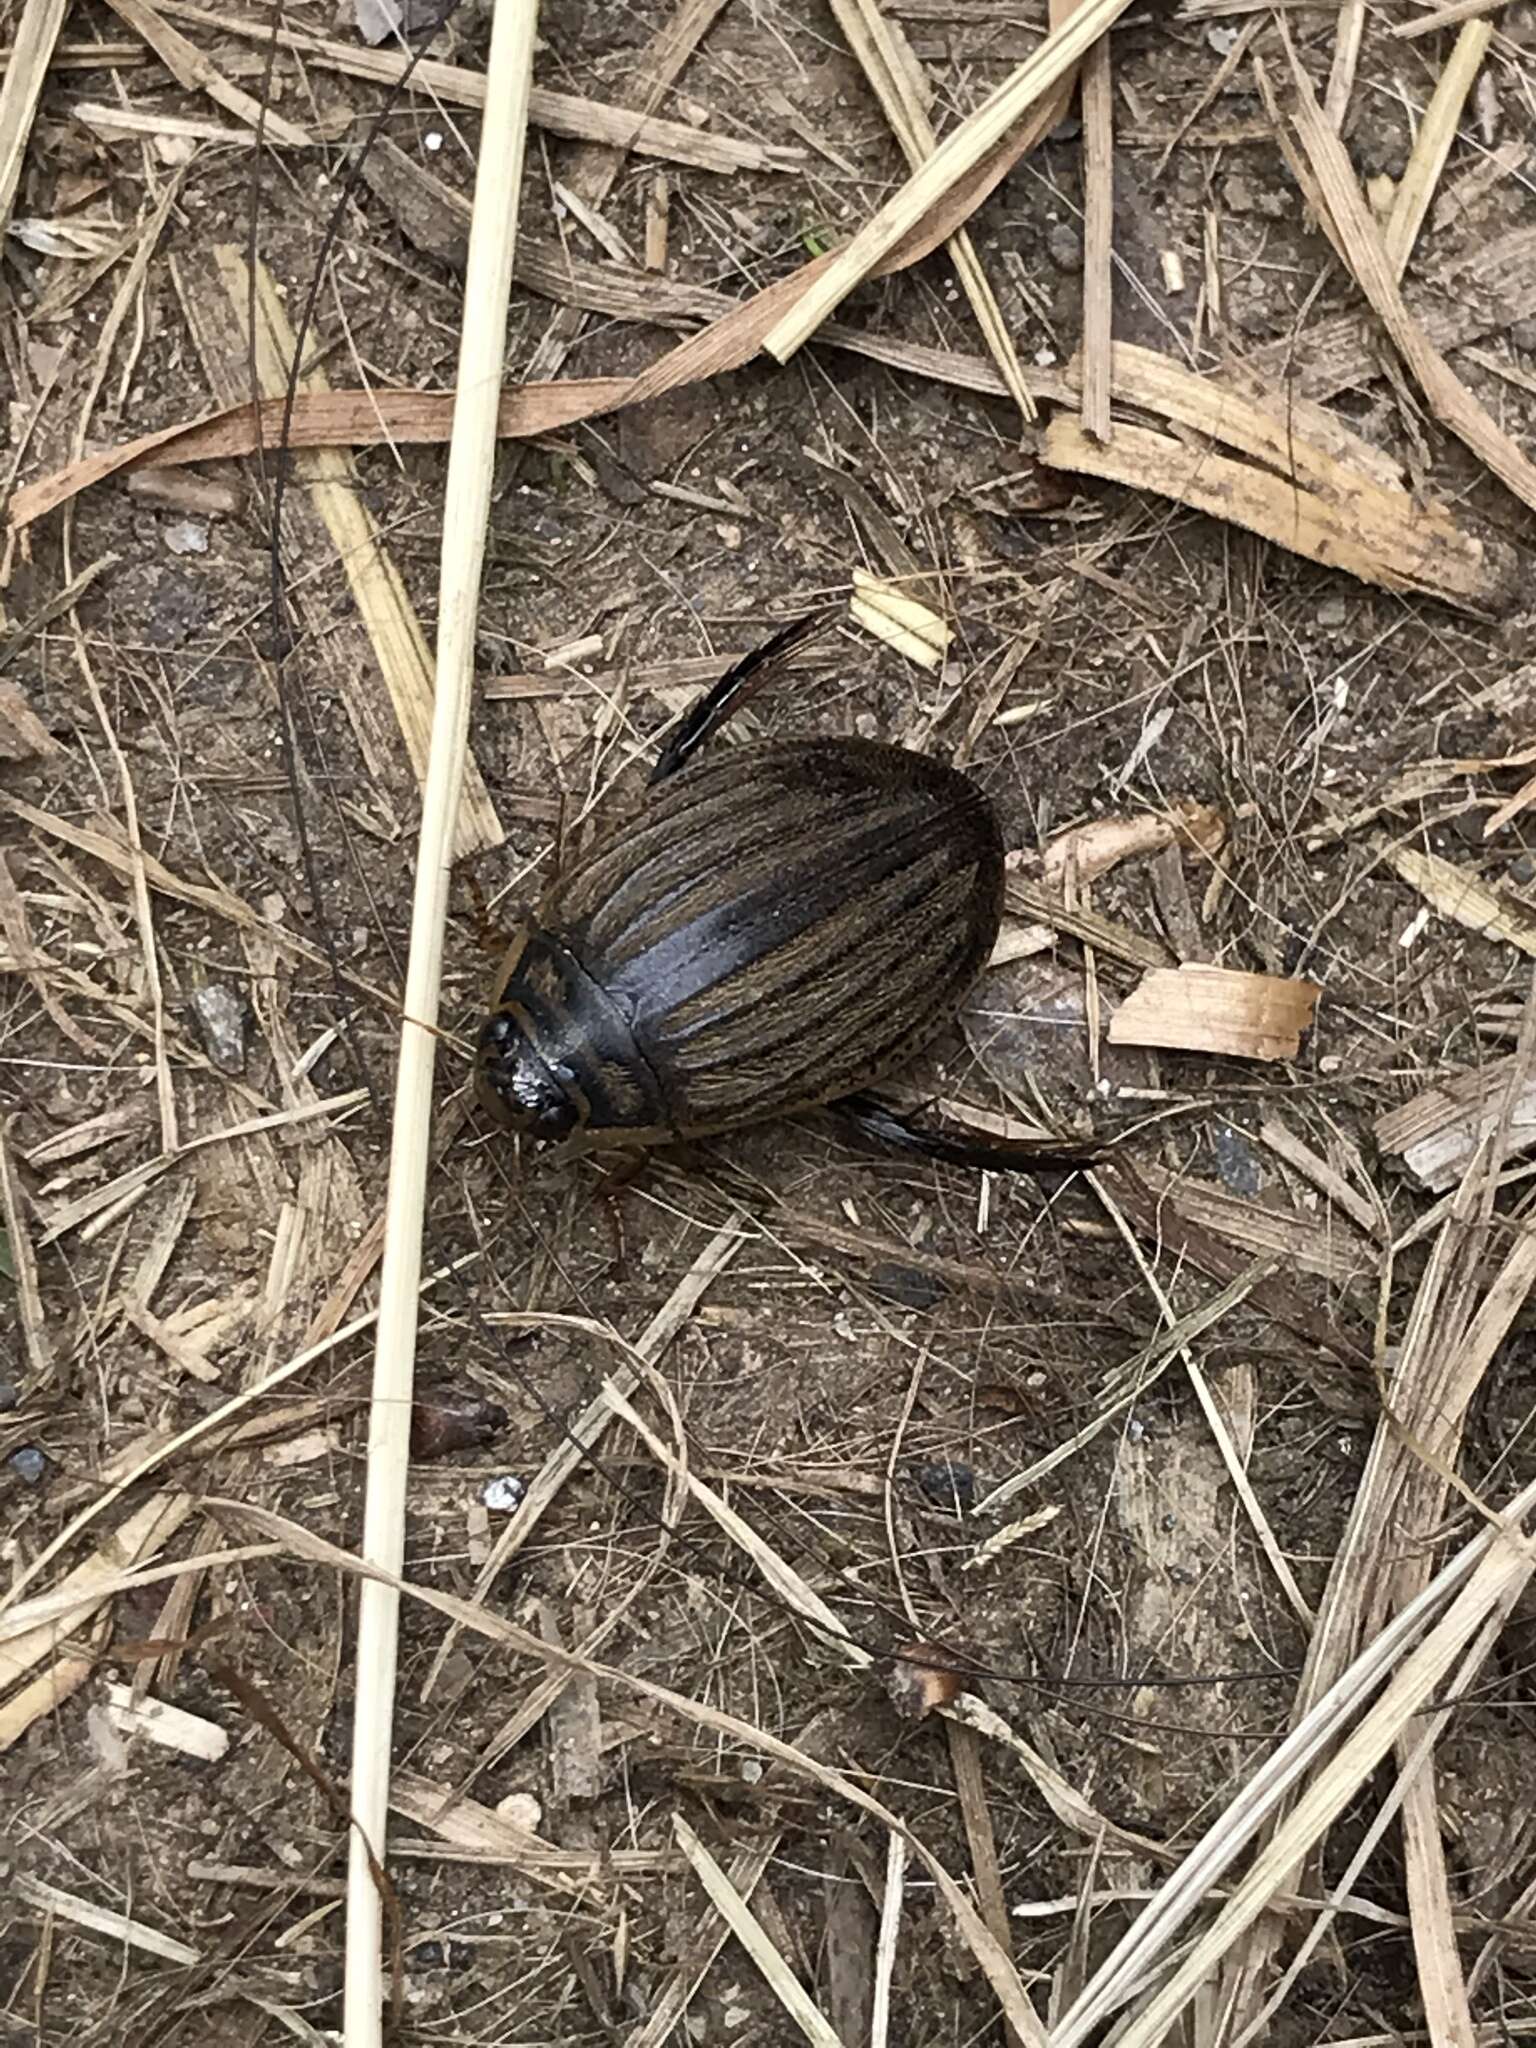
(891, 1127)
(613, 1178)
(727, 696)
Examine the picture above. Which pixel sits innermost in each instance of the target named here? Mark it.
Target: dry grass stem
(1380, 537)
(560, 113)
(394, 634)
(471, 462)
(191, 69)
(587, 1430)
(37, 32)
(140, 1535)
(1436, 134)
(749, 1931)
(1135, 1377)
(1475, 1581)
(901, 621)
(1439, 1131)
(994, 1963)
(1346, 59)
(960, 153)
(890, 1934)
(170, 1726)
(887, 65)
(709, 1936)
(1454, 892)
(1098, 97)
(1360, 241)
(1437, 18)
(31, 1312)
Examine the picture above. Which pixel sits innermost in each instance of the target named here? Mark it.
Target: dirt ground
(196, 1140)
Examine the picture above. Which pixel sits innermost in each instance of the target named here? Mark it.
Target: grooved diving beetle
(778, 928)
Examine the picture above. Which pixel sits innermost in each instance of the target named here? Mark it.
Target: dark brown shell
(776, 927)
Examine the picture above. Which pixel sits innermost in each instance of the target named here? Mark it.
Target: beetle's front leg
(491, 936)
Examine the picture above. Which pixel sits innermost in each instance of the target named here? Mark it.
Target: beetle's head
(517, 1086)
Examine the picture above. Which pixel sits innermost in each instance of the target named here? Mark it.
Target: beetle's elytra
(779, 927)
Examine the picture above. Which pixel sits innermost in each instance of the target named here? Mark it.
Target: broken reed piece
(1465, 898)
(1437, 1131)
(913, 628)
(1195, 1008)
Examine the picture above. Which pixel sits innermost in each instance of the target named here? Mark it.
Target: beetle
(779, 928)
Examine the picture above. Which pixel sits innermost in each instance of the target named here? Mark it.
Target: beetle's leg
(623, 1173)
(728, 695)
(489, 935)
(888, 1125)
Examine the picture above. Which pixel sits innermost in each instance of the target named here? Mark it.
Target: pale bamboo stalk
(957, 155)
(471, 458)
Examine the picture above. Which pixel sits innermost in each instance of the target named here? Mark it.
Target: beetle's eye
(555, 1118)
(497, 1035)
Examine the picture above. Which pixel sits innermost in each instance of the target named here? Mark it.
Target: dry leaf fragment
(901, 621)
(1103, 843)
(1196, 1008)
(22, 732)
(921, 1681)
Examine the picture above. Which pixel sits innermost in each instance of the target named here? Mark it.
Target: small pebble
(1332, 612)
(10, 1396)
(1236, 1161)
(221, 1014)
(375, 21)
(948, 1485)
(446, 1419)
(1522, 869)
(1523, 334)
(187, 537)
(504, 1496)
(1221, 40)
(28, 1464)
(1064, 246)
(907, 1286)
(436, 1954)
(523, 1810)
